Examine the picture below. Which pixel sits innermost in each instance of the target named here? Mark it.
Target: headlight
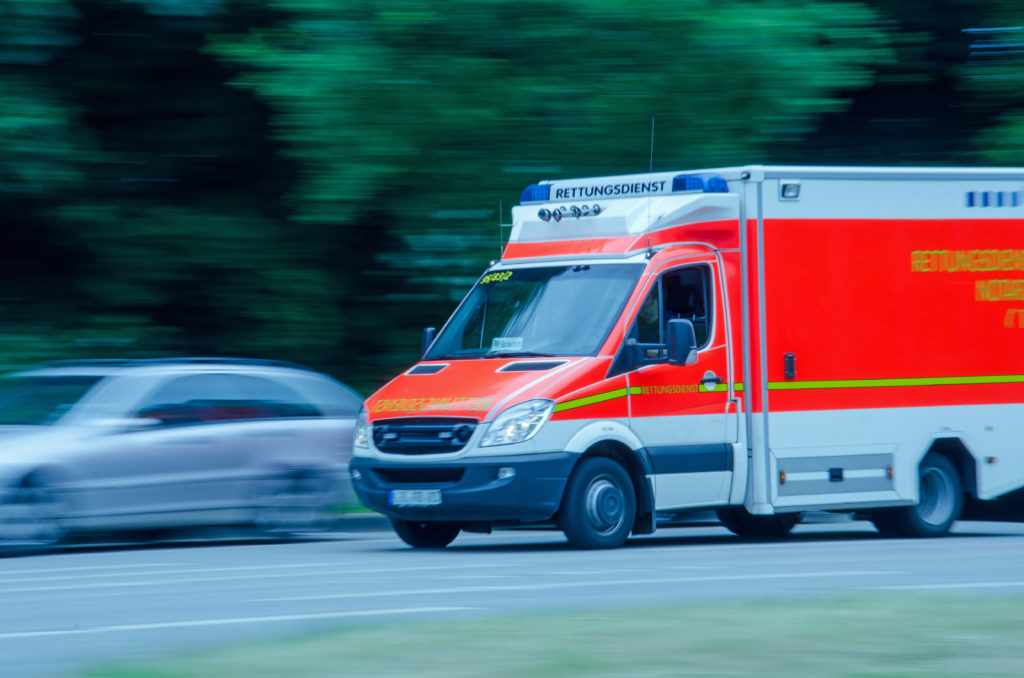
(362, 430)
(518, 423)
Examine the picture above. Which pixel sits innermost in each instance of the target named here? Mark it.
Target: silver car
(90, 446)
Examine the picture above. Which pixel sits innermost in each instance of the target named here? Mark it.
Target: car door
(176, 459)
(681, 413)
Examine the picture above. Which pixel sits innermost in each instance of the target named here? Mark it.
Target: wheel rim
(605, 505)
(290, 505)
(937, 497)
(32, 516)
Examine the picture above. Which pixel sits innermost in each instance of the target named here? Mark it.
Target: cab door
(682, 413)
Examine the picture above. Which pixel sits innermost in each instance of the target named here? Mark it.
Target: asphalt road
(82, 607)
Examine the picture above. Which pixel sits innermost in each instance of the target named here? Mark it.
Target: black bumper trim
(533, 495)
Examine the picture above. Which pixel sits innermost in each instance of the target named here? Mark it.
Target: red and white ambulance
(761, 341)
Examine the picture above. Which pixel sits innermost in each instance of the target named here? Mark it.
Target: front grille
(422, 436)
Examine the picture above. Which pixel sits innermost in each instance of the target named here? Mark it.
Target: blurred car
(98, 446)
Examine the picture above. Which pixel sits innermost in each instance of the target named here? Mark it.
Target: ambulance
(758, 341)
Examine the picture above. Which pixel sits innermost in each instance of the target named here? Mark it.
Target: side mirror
(428, 338)
(682, 342)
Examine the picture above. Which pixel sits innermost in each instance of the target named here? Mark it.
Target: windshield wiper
(518, 354)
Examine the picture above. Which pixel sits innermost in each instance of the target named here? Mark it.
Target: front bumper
(470, 488)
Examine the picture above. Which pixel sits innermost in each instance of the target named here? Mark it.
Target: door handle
(710, 376)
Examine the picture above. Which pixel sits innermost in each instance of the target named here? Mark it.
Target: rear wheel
(424, 534)
(940, 501)
(291, 502)
(599, 505)
(739, 520)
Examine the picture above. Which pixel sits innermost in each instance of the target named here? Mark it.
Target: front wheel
(739, 520)
(599, 505)
(940, 501)
(424, 534)
(32, 517)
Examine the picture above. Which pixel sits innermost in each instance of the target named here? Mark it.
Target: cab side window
(681, 293)
(685, 295)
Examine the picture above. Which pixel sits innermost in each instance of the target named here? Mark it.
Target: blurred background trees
(317, 180)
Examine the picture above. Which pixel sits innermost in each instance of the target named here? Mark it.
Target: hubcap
(606, 505)
(937, 498)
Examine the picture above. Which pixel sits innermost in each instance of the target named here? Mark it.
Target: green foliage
(315, 180)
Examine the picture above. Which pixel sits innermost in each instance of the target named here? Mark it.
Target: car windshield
(538, 311)
(37, 401)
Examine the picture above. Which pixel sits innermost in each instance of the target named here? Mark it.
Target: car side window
(201, 398)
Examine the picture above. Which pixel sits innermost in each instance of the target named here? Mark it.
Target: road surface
(66, 611)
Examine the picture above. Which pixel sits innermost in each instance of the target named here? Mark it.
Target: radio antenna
(650, 173)
(651, 170)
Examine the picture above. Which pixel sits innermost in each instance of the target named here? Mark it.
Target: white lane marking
(85, 568)
(958, 585)
(238, 568)
(223, 622)
(85, 586)
(583, 584)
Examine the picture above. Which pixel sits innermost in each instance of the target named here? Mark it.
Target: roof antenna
(650, 174)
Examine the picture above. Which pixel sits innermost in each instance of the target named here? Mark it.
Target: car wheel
(291, 502)
(424, 534)
(32, 516)
(740, 521)
(599, 505)
(940, 501)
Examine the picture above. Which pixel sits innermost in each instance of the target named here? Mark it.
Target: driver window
(680, 293)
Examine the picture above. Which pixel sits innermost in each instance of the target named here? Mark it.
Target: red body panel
(873, 299)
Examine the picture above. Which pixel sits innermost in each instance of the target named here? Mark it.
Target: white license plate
(414, 497)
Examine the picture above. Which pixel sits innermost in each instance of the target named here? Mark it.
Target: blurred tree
(409, 120)
(316, 180)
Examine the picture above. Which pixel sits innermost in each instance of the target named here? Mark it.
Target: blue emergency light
(536, 193)
(705, 182)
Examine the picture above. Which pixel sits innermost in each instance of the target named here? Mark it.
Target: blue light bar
(536, 193)
(705, 182)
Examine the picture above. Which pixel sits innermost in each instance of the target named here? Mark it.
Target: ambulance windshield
(538, 311)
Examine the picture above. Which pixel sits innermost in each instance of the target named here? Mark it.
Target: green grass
(849, 637)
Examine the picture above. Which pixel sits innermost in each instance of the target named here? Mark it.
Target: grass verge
(872, 636)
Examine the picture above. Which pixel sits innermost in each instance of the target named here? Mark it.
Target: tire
(599, 506)
(32, 517)
(425, 534)
(292, 502)
(940, 501)
(741, 522)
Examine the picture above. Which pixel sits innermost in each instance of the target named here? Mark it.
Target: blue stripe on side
(691, 458)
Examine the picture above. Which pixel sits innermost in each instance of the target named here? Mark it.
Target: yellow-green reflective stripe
(597, 398)
(799, 385)
(738, 386)
(883, 383)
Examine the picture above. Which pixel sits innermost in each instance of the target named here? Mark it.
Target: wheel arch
(638, 467)
(954, 449)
